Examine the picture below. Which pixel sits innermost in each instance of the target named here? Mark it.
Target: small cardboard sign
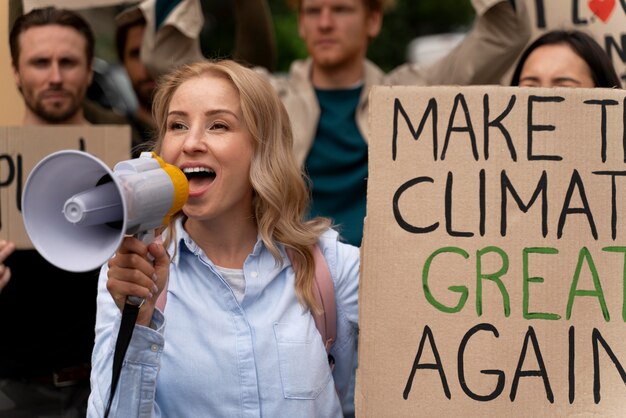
(21, 148)
(605, 20)
(494, 253)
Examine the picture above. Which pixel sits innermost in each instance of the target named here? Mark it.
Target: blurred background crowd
(414, 31)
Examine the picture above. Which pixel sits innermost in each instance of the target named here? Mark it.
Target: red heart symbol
(602, 8)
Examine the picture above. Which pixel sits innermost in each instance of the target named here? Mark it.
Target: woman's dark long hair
(602, 70)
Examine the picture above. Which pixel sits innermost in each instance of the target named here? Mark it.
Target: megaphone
(76, 210)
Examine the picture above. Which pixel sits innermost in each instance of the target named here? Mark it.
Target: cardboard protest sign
(494, 255)
(21, 148)
(605, 20)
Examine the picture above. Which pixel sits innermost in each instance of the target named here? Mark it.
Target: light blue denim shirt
(211, 356)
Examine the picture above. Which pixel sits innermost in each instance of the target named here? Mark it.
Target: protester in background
(51, 55)
(53, 77)
(45, 365)
(130, 29)
(6, 248)
(562, 58)
(236, 337)
(254, 44)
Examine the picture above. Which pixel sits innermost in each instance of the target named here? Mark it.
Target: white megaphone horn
(76, 210)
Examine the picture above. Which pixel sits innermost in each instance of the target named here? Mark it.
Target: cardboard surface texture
(494, 255)
(21, 148)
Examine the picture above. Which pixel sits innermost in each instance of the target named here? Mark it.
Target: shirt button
(154, 348)
(253, 274)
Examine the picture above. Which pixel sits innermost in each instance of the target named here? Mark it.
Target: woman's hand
(6, 248)
(132, 273)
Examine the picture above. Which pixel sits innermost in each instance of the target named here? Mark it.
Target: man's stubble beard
(53, 117)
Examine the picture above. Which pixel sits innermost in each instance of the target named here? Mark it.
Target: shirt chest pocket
(302, 360)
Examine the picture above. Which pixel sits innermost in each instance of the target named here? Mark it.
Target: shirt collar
(184, 242)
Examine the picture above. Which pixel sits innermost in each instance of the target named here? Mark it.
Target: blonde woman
(237, 336)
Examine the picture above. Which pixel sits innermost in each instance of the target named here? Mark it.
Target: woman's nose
(195, 140)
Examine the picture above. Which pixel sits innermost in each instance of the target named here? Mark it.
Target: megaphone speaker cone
(79, 240)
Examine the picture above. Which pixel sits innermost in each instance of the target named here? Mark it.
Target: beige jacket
(486, 53)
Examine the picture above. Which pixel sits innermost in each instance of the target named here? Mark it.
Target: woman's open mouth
(199, 179)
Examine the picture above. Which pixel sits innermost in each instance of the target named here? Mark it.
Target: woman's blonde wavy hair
(281, 196)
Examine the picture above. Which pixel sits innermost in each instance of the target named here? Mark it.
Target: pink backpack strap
(326, 321)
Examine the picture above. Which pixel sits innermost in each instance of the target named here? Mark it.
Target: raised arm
(176, 39)
(499, 34)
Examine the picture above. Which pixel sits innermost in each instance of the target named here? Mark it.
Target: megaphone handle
(129, 317)
(147, 237)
